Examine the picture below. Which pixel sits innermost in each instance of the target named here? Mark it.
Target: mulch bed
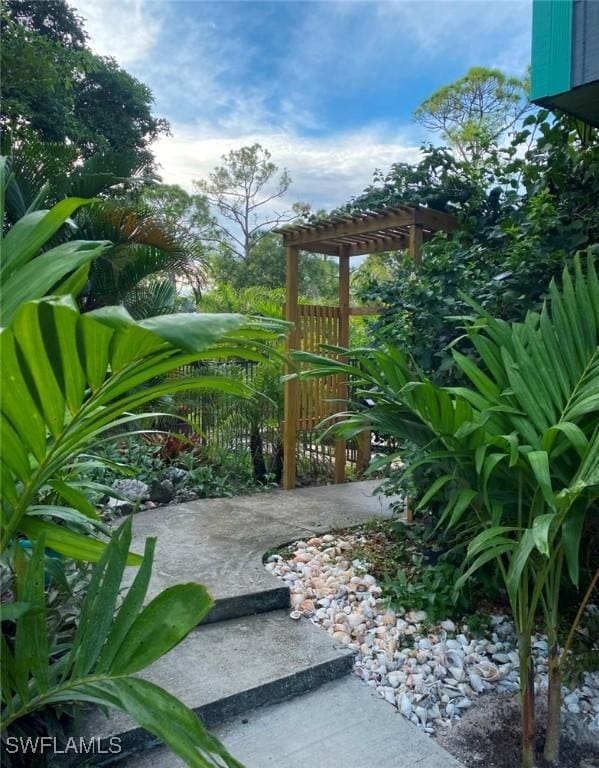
(488, 736)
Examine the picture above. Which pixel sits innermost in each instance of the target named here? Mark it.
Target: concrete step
(226, 669)
(220, 543)
(343, 724)
(263, 598)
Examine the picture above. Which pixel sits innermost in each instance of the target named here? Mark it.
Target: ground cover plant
(515, 455)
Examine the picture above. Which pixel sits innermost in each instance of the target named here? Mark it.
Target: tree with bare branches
(244, 191)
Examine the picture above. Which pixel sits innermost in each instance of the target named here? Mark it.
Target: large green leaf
(108, 648)
(166, 619)
(32, 232)
(76, 376)
(39, 276)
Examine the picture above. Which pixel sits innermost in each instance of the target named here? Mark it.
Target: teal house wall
(565, 57)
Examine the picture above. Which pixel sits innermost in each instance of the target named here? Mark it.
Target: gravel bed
(432, 672)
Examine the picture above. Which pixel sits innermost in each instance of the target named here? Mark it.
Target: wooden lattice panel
(317, 325)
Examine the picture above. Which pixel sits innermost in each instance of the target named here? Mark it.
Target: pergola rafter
(398, 227)
(367, 231)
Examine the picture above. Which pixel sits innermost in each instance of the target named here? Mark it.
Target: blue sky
(329, 87)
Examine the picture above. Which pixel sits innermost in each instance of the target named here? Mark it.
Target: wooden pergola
(398, 227)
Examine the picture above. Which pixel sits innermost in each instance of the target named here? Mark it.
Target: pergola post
(291, 387)
(340, 447)
(415, 250)
(415, 243)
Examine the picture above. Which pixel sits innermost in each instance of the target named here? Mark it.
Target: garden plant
(71, 381)
(514, 456)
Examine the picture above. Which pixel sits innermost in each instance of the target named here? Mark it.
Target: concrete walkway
(276, 691)
(221, 542)
(342, 724)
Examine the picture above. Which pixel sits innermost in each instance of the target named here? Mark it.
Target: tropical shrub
(524, 210)
(142, 244)
(515, 455)
(69, 381)
(114, 640)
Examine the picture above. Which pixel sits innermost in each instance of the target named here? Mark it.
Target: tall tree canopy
(474, 112)
(56, 87)
(524, 212)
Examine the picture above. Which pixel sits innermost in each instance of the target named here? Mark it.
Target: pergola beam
(378, 245)
(361, 225)
(352, 227)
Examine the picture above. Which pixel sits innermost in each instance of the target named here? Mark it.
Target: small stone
(341, 637)
(572, 704)
(132, 489)
(162, 492)
(295, 615)
(176, 474)
(457, 673)
(396, 678)
(448, 625)
(405, 706)
(421, 714)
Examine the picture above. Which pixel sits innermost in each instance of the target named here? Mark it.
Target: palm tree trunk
(257, 451)
(554, 692)
(277, 461)
(554, 704)
(527, 700)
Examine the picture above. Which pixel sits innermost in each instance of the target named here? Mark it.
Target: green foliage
(113, 641)
(140, 241)
(239, 189)
(264, 267)
(25, 273)
(515, 455)
(254, 299)
(188, 217)
(54, 85)
(418, 567)
(430, 588)
(210, 472)
(524, 212)
(43, 174)
(142, 247)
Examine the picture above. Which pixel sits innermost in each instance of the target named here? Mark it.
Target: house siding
(551, 47)
(585, 42)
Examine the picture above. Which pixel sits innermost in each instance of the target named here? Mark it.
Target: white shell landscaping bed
(432, 672)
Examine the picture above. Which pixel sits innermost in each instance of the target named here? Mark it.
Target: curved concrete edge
(221, 543)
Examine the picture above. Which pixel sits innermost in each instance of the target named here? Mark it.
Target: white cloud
(125, 29)
(351, 41)
(326, 171)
